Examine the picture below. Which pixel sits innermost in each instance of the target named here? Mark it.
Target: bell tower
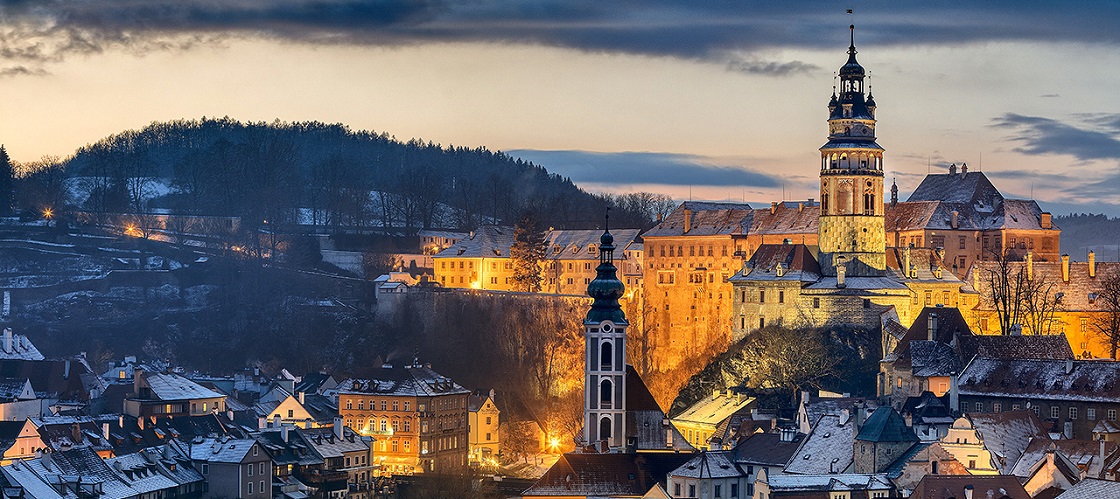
(604, 405)
(851, 233)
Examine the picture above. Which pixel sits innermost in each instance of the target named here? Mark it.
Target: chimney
(773, 207)
(1101, 440)
(779, 270)
(1045, 221)
(8, 340)
(906, 262)
(953, 169)
(1069, 366)
(954, 395)
(120, 421)
(338, 428)
(140, 422)
(954, 222)
(66, 369)
(7, 311)
(840, 276)
(262, 423)
(967, 492)
(1065, 268)
(276, 421)
(687, 220)
(909, 419)
(845, 415)
(931, 325)
(284, 433)
(1092, 264)
(1030, 265)
(300, 396)
(964, 170)
(105, 431)
(229, 414)
(715, 394)
(76, 433)
(861, 414)
(800, 207)
(137, 379)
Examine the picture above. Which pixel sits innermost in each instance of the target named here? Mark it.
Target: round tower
(604, 408)
(851, 230)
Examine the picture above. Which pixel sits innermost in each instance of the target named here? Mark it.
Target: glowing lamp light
(553, 444)
(48, 213)
(476, 285)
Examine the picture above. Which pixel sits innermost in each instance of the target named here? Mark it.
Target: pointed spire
(852, 47)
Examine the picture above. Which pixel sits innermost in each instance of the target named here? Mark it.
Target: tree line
(312, 172)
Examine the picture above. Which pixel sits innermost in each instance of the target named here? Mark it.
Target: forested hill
(265, 171)
(1082, 232)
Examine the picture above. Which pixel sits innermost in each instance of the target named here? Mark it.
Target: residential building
(699, 421)
(709, 475)
(482, 260)
(596, 475)
(434, 241)
(343, 452)
(988, 444)
(231, 467)
(1091, 488)
(768, 453)
(829, 486)
(827, 449)
(882, 440)
(1074, 395)
(417, 417)
(302, 409)
(79, 472)
(1071, 293)
(964, 215)
(811, 408)
(17, 347)
(964, 486)
(169, 394)
(483, 439)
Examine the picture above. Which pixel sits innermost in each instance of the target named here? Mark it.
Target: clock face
(606, 328)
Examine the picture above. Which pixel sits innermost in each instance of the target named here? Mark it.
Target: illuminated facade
(417, 418)
(604, 409)
(851, 237)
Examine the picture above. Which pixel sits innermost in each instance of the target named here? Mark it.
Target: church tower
(604, 406)
(851, 236)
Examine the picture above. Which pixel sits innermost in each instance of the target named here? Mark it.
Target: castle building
(851, 277)
(851, 236)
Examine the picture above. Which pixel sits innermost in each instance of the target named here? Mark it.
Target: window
(205, 469)
(407, 406)
(384, 405)
(361, 405)
(676, 489)
(488, 420)
(781, 296)
(762, 296)
(291, 413)
(1112, 414)
(691, 490)
(761, 322)
(979, 407)
(816, 303)
(384, 425)
(396, 406)
(395, 444)
(866, 303)
(250, 469)
(1054, 412)
(261, 470)
(1091, 414)
(407, 445)
(407, 425)
(1073, 413)
(488, 436)
(717, 490)
(250, 488)
(996, 407)
(261, 486)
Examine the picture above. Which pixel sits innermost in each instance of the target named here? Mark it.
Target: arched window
(605, 394)
(605, 429)
(605, 355)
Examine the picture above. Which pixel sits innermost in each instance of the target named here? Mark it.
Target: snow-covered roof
(1045, 379)
(712, 464)
(827, 448)
(827, 482)
(327, 445)
(171, 386)
(18, 347)
(220, 450)
(416, 381)
(713, 410)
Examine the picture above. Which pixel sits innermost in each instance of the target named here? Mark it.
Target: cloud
(21, 71)
(771, 68)
(622, 168)
(47, 30)
(1084, 141)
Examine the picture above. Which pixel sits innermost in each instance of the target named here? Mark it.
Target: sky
(714, 100)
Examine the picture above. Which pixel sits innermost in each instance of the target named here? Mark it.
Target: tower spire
(852, 46)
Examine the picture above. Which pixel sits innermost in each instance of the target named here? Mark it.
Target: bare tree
(1107, 323)
(1019, 298)
(789, 359)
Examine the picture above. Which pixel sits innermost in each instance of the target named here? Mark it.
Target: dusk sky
(722, 99)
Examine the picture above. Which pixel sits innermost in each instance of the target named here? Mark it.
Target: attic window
(1092, 297)
(591, 248)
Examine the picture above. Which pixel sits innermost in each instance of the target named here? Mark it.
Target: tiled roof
(706, 219)
(324, 442)
(817, 407)
(601, 475)
(21, 348)
(970, 188)
(413, 381)
(50, 376)
(1009, 347)
(645, 421)
(827, 448)
(927, 408)
(1075, 380)
(170, 386)
(913, 215)
(708, 465)
(767, 449)
(953, 486)
(578, 244)
(220, 450)
(797, 261)
(787, 484)
(885, 425)
(784, 218)
(715, 409)
(487, 241)
(1082, 453)
(1091, 488)
(1007, 434)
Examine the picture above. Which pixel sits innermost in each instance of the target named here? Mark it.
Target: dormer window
(591, 248)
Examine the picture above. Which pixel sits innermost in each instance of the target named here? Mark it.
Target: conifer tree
(527, 253)
(7, 182)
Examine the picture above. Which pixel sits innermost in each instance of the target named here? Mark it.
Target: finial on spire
(607, 220)
(852, 47)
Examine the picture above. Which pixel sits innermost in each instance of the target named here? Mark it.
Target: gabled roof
(709, 465)
(584, 244)
(414, 381)
(714, 410)
(767, 449)
(984, 486)
(783, 218)
(796, 260)
(170, 386)
(220, 450)
(1007, 434)
(313, 382)
(615, 474)
(1010, 347)
(790, 484)
(327, 445)
(1046, 379)
(967, 188)
(885, 425)
(645, 421)
(706, 219)
(1092, 488)
(1078, 294)
(927, 408)
(826, 449)
(487, 241)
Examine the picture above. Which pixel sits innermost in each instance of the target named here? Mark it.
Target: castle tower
(851, 230)
(604, 406)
